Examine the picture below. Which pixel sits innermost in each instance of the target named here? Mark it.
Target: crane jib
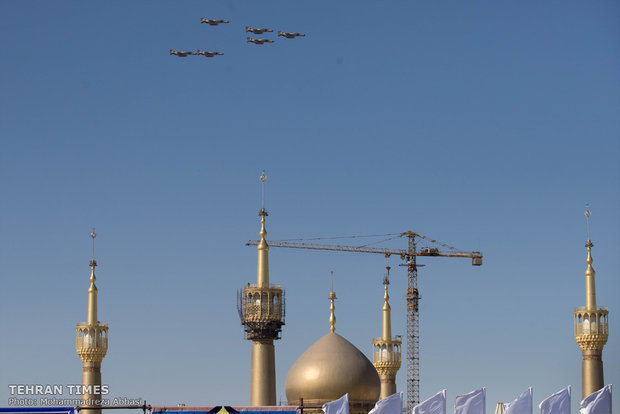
(475, 256)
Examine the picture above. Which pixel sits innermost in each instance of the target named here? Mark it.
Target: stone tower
(591, 330)
(92, 345)
(386, 350)
(261, 309)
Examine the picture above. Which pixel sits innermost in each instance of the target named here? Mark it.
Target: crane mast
(413, 327)
(412, 296)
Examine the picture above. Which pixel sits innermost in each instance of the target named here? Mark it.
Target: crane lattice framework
(412, 295)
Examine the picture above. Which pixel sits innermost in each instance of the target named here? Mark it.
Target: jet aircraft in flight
(290, 35)
(257, 31)
(183, 53)
(212, 22)
(208, 54)
(259, 41)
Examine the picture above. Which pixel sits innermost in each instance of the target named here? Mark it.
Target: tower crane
(412, 296)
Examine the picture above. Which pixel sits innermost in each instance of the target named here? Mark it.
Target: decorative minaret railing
(91, 343)
(261, 309)
(386, 350)
(591, 330)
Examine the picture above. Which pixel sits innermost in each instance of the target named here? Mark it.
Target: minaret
(591, 329)
(261, 309)
(91, 345)
(386, 350)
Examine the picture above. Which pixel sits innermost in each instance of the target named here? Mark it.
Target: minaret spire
(92, 289)
(332, 307)
(261, 309)
(262, 275)
(263, 178)
(387, 317)
(91, 344)
(591, 328)
(386, 350)
(590, 273)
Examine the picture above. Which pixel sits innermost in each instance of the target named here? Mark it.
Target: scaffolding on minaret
(261, 309)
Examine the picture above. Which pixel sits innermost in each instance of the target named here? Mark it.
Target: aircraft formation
(248, 29)
(263, 41)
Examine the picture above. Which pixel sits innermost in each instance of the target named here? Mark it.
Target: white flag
(472, 403)
(434, 405)
(598, 402)
(558, 403)
(522, 404)
(340, 406)
(389, 405)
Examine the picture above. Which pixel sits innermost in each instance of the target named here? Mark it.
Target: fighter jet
(257, 31)
(208, 54)
(212, 22)
(259, 41)
(183, 53)
(290, 35)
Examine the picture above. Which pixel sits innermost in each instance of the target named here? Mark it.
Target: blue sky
(485, 125)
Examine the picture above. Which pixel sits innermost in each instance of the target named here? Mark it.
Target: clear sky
(484, 124)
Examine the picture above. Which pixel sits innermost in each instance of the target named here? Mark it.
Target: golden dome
(330, 368)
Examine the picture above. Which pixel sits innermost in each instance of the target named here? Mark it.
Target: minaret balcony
(257, 304)
(386, 351)
(591, 328)
(91, 341)
(261, 310)
(591, 321)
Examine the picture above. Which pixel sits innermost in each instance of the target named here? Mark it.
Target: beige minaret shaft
(91, 345)
(591, 331)
(263, 374)
(261, 308)
(386, 350)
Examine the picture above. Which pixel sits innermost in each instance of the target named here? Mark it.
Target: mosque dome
(330, 368)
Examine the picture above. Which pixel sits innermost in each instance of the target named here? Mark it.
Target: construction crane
(412, 296)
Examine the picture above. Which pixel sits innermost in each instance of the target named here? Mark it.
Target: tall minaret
(261, 309)
(91, 345)
(386, 350)
(591, 329)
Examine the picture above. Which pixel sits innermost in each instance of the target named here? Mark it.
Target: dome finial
(332, 307)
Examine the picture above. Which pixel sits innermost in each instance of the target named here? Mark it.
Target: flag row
(474, 402)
